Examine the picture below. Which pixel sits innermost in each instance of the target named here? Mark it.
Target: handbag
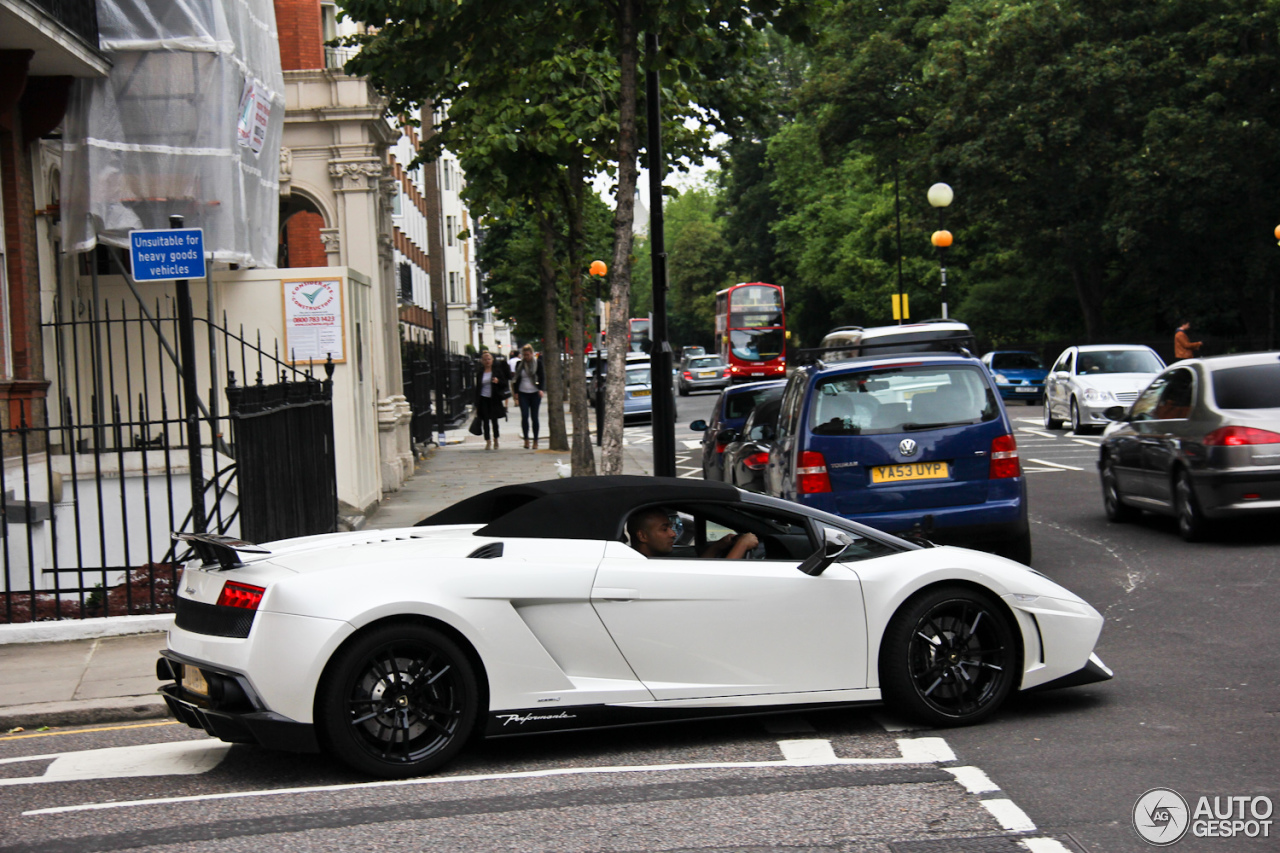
(475, 428)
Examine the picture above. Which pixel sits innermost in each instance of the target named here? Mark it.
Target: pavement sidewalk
(87, 671)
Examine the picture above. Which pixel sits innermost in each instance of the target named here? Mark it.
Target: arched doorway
(299, 243)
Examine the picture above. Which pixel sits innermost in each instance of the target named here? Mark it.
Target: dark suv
(904, 442)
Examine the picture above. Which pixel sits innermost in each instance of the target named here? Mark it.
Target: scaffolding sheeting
(189, 122)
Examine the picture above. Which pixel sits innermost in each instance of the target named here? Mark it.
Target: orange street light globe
(599, 268)
(941, 239)
(1278, 232)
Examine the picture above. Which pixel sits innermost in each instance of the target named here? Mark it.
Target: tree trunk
(551, 336)
(623, 220)
(583, 459)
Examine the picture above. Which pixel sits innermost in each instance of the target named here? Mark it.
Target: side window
(789, 414)
(1144, 407)
(856, 546)
(1175, 399)
(1062, 362)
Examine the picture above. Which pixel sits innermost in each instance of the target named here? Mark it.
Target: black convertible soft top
(575, 508)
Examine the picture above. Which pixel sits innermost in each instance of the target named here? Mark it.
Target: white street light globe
(940, 195)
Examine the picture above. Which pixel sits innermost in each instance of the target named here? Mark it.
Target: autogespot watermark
(1162, 817)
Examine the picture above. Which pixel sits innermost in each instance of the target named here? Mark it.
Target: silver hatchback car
(1202, 442)
(701, 373)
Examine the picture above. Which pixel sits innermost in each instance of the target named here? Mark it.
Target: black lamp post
(940, 196)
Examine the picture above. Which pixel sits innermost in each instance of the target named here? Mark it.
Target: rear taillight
(240, 595)
(688, 375)
(756, 461)
(1004, 458)
(1238, 436)
(811, 475)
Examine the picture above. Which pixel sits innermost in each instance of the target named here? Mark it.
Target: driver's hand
(742, 543)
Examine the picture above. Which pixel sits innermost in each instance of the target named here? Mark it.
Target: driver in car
(653, 535)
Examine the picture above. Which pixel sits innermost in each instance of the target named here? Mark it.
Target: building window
(453, 288)
(444, 169)
(448, 230)
(395, 202)
(406, 282)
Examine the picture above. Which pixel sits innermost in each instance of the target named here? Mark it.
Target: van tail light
(811, 475)
(1004, 458)
(1238, 436)
(756, 461)
(240, 595)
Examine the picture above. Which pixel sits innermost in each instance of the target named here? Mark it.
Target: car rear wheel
(398, 702)
(1050, 422)
(948, 657)
(1117, 510)
(1192, 525)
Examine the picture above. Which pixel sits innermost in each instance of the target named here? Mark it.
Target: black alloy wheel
(398, 702)
(948, 658)
(1192, 525)
(1117, 510)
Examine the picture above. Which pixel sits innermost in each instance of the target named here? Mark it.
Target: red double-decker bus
(751, 331)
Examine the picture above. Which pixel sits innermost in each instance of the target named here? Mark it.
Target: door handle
(614, 594)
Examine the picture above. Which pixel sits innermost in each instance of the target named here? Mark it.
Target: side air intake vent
(486, 552)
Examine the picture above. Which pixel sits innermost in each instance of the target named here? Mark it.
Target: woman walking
(492, 389)
(530, 383)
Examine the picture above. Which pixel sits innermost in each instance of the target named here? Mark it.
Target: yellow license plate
(910, 471)
(706, 374)
(640, 393)
(193, 681)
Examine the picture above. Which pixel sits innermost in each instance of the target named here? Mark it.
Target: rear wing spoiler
(214, 548)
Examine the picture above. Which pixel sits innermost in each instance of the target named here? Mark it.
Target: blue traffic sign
(168, 254)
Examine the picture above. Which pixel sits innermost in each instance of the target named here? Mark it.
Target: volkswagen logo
(907, 447)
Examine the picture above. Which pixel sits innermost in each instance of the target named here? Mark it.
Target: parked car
(1085, 381)
(730, 413)
(637, 399)
(919, 445)
(701, 372)
(391, 649)
(746, 456)
(596, 376)
(846, 342)
(1019, 374)
(1201, 443)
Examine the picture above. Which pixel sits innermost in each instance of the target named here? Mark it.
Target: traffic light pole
(664, 408)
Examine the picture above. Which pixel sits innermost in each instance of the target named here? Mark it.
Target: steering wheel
(756, 553)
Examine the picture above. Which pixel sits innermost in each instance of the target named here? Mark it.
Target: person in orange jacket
(1183, 346)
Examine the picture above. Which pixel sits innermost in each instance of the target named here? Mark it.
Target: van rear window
(900, 399)
(1255, 386)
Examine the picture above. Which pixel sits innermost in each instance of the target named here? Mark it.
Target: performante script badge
(1160, 816)
(521, 719)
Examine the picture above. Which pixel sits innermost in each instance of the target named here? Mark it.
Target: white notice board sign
(313, 320)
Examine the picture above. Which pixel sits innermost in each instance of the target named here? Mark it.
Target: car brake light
(1004, 458)
(811, 475)
(1237, 436)
(688, 375)
(756, 461)
(240, 595)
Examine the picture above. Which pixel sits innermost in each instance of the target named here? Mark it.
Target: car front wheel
(1117, 510)
(398, 702)
(1076, 426)
(948, 658)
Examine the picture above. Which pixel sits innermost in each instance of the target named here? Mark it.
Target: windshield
(740, 405)
(755, 345)
(1015, 361)
(709, 361)
(1118, 361)
(901, 399)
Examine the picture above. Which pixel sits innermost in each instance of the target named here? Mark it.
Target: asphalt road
(1193, 708)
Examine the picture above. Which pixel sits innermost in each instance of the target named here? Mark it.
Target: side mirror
(817, 562)
(698, 426)
(1115, 413)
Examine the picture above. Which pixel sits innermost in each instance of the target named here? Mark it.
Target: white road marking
(1055, 464)
(182, 758)
(973, 780)
(914, 751)
(1044, 845)
(1029, 470)
(1008, 815)
(693, 474)
(1087, 441)
(1038, 432)
(692, 444)
(809, 751)
(926, 750)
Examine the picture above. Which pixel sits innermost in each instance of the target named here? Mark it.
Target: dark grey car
(702, 373)
(1202, 442)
